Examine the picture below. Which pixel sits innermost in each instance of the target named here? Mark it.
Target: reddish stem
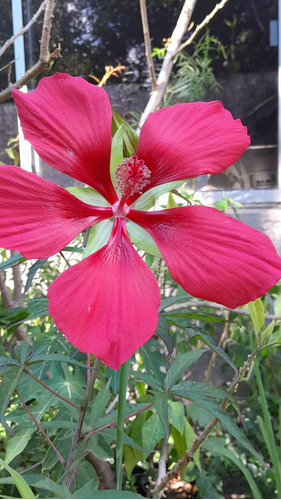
(51, 390)
(61, 459)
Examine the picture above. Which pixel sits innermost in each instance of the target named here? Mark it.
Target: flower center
(132, 175)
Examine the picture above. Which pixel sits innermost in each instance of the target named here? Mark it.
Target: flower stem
(120, 421)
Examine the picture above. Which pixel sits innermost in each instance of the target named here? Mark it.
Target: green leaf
(148, 379)
(256, 311)
(206, 488)
(37, 307)
(161, 406)
(176, 414)
(171, 201)
(21, 484)
(86, 491)
(13, 261)
(88, 195)
(170, 301)
(214, 447)
(117, 154)
(148, 199)
(100, 403)
(208, 341)
(227, 422)
(266, 333)
(130, 137)
(186, 389)
(142, 239)
(17, 444)
(7, 387)
(113, 494)
(182, 362)
(98, 236)
(277, 306)
(32, 272)
(163, 330)
(152, 360)
(47, 484)
(152, 432)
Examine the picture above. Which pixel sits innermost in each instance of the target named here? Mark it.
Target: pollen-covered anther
(132, 175)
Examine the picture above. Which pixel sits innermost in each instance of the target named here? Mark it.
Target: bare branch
(204, 23)
(33, 20)
(168, 62)
(45, 59)
(147, 42)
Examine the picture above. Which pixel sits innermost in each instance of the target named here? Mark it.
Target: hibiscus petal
(68, 122)
(211, 255)
(108, 303)
(187, 140)
(38, 218)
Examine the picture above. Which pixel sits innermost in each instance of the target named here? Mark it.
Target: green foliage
(194, 75)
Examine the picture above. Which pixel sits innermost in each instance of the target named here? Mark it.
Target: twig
(33, 20)
(147, 42)
(45, 59)
(204, 23)
(51, 390)
(168, 62)
(61, 459)
(175, 471)
(77, 435)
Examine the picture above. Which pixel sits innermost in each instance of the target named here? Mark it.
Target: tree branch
(147, 42)
(168, 62)
(204, 23)
(44, 60)
(33, 20)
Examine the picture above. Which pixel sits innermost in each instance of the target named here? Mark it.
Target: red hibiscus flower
(108, 303)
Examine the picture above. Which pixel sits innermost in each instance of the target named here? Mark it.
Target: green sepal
(148, 199)
(142, 239)
(88, 195)
(98, 236)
